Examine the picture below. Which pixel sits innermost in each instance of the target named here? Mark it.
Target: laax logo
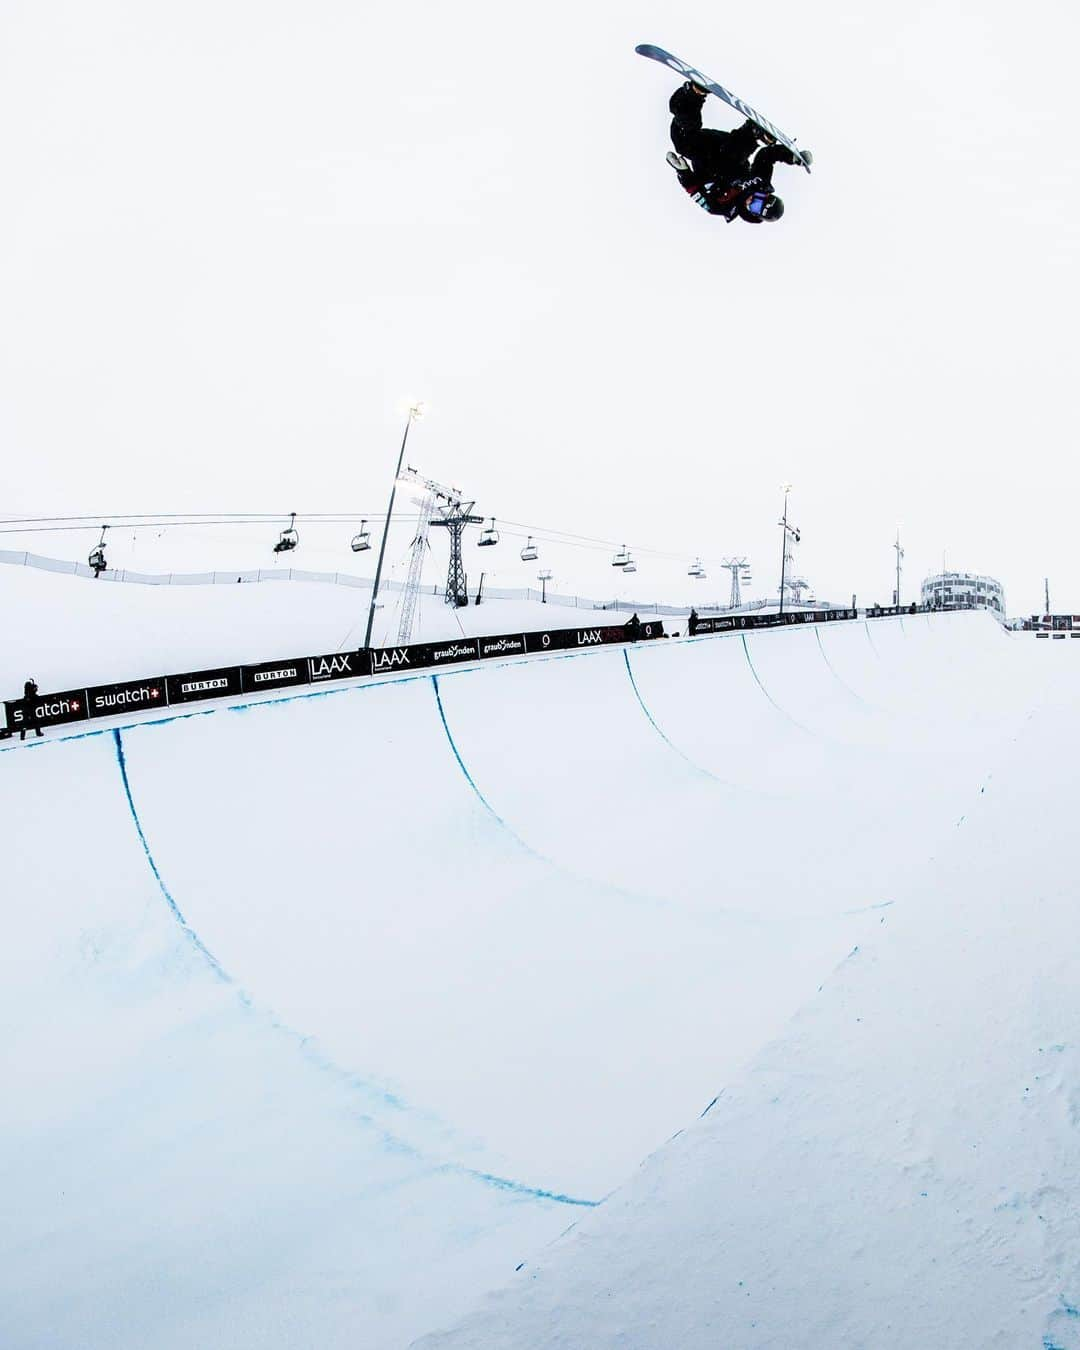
(389, 660)
(326, 667)
(588, 637)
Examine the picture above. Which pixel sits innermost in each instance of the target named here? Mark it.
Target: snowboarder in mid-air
(728, 173)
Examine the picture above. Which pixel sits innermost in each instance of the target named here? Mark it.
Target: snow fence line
(198, 686)
(67, 567)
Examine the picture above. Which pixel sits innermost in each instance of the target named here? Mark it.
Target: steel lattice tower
(736, 566)
(454, 519)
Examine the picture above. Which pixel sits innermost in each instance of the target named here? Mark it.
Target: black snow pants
(717, 156)
(721, 157)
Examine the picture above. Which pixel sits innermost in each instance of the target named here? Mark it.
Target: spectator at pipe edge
(29, 719)
(913, 608)
(692, 623)
(633, 627)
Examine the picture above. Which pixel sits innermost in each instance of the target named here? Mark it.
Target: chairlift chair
(622, 558)
(289, 538)
(695, 569)
(530, 552)
(630, 565)
(489, 537)
(361, 541)
(96, 560)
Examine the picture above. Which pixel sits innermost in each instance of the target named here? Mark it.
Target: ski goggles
(756, 203)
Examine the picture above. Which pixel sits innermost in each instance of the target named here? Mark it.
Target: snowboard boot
(678, 162)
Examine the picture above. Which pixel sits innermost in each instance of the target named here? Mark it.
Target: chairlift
(289, 538)
(489, 537)
(630, 565)
(361, 541)
(96, 560)
(695, 569)
(529, 553)
(622, 558)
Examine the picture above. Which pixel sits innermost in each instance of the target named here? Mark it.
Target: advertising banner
(106, 700)
(423, 655)
(47, 710)
(274, 675)
(560, 639)
(552, 639)
(338, 666)
(503, 644)
(229, 681)
(200, 684)
(447, 653)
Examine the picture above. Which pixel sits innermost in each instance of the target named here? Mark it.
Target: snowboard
(732, 100)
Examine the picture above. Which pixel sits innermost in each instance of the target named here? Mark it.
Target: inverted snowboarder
(729, 173)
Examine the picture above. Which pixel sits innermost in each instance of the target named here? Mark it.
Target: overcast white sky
(235, 236)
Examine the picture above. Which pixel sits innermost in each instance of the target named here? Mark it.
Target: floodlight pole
(414, 413)
(899, 558)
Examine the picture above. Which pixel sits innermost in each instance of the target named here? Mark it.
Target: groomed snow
(328, 1013)
(898, 1168)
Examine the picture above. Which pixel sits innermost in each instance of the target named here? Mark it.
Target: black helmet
(759, 206)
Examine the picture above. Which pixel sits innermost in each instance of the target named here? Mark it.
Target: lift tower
(454, 515)
(740, 572)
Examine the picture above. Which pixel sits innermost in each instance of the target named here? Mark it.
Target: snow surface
(325, 1014)
(898, 1167)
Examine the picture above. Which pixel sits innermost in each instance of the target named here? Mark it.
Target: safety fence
(167, 691)
(726, 623)
(196, 686)
(232, 577)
